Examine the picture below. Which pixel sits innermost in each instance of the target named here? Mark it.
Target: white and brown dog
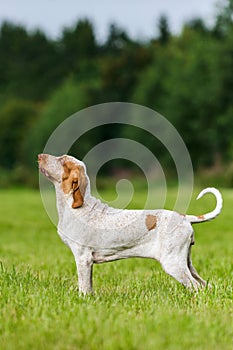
(97, 233)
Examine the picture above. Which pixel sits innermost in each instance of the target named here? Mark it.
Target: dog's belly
(149, 249)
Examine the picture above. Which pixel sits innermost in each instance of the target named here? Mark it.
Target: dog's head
(68, 172)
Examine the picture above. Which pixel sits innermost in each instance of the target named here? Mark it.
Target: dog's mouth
(46, 173)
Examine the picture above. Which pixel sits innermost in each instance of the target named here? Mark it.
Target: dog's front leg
(85, 277)
(84, 264)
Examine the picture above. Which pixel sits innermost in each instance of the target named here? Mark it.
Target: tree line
(187, 77)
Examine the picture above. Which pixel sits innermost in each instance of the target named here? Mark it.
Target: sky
(138, 17)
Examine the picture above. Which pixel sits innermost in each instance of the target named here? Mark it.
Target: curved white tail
(209, 216)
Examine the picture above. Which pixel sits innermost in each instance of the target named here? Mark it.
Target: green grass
(135, 306)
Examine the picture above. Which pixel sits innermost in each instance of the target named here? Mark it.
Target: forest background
(187, 77)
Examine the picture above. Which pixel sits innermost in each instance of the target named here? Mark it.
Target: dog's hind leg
(181, 273)
(193, 270)
(175, 262)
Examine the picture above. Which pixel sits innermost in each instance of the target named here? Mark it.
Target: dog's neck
(65, 200)
(90, 207)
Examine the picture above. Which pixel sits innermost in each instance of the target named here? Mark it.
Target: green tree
(198, 25)
(152, 88)
(117, 40)
(224, 18)
(16, 118)
(13, 45)
(186, 83)
(122, 62)
(28, 63)
(78, 44)
(164, 31)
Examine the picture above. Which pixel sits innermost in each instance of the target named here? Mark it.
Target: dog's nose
(41, 157)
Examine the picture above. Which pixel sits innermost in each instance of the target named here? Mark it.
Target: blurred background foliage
(186, 77)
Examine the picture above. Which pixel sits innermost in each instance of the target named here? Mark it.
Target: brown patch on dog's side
(151, 222)
(201, 217)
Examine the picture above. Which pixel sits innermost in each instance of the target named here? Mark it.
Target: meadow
(135, 305)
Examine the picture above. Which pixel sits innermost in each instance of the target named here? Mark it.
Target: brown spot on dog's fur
(201, 217)
(74, 180)
(151, 222)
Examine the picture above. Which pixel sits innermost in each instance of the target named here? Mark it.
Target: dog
(97, 233)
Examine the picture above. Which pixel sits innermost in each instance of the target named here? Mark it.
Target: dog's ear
(79, 185)
(74, 181)
(77, 197)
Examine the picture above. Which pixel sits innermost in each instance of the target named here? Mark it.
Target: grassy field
(135, 305)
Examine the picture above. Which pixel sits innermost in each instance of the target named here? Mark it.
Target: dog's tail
(209, 216)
